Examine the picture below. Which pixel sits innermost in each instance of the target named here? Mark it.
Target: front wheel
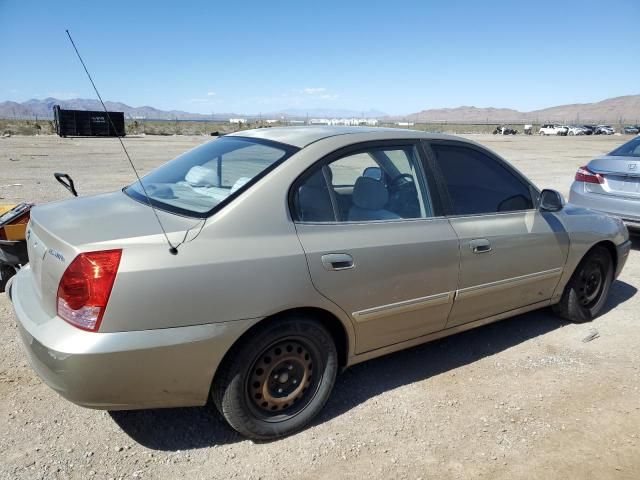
(587, 291)
(277, 380)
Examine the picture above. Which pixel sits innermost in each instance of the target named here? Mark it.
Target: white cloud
(314, 90)
(210, 94)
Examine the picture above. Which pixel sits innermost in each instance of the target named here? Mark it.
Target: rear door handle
(337, 261)
(480, 245)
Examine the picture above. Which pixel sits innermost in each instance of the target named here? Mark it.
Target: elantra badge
(56, 254)
(633, 166)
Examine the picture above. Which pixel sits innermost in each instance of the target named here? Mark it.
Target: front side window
(196, 182)
(370, 185)
(478, 183)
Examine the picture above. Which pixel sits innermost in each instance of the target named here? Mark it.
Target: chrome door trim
(402, 307)
(507, 283)
(445, 332)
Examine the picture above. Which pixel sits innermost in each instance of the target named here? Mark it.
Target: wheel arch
(332, 323)
(609, 246)
(569, 272)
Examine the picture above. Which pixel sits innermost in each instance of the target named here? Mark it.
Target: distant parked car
(504, 130)
(552, 129)
(604, 130)
(576, 130)
(611, 184)
(631, 129)
(588, 129)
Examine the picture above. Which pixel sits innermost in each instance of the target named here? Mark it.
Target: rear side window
(478, 183)
(369, 185)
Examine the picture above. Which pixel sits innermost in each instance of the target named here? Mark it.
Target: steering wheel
(403, 196)
(397, 178)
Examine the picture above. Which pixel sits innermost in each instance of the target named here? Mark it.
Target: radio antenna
(173, 250)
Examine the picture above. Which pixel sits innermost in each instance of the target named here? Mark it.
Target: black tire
(588, 289)
(6, 272)
(250, 389)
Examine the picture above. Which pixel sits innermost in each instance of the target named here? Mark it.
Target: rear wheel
(277, 380)
(587, 290)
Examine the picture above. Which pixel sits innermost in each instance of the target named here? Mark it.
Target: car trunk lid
(621, 176)
(59, 231)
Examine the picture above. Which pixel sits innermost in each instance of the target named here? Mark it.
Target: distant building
(238, 120)
(405, 124)
(372, 122)
(271, 121)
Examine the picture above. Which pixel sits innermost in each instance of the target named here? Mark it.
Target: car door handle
(480, 245)
(337, 261)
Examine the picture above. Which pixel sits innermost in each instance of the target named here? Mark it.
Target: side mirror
(373, 172)
(551, 201)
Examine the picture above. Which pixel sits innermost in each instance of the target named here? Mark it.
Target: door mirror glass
(551, 201)
(373, 172)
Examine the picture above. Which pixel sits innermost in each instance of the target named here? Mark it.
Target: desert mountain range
(612, 110)
(624, 109)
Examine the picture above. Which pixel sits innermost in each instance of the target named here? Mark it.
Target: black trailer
(83, 123)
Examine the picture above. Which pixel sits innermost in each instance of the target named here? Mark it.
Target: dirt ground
(525, 398)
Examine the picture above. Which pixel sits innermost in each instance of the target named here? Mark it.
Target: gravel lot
(523, 398)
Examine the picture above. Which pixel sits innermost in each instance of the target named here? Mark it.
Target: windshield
(629, 149)
(202, 179)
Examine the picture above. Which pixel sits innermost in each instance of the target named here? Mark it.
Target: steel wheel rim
(281, 378)
(591, 284)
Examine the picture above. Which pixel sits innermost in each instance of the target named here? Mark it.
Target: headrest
(370, 194)
(317, 179)
(200, 176)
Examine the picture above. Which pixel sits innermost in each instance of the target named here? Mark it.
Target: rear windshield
(629, 149)
(203, 179)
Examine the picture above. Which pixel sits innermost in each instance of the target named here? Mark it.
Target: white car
(552, 129)
(604, 130)
(576, 130)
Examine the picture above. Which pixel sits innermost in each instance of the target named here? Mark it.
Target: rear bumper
(628, 209)
(170, 367)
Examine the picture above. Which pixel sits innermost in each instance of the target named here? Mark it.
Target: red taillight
(585, 175)
(85, 287)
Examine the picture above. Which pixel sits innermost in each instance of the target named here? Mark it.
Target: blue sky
(264, 56)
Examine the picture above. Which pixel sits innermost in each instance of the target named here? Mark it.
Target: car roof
(305, 135)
